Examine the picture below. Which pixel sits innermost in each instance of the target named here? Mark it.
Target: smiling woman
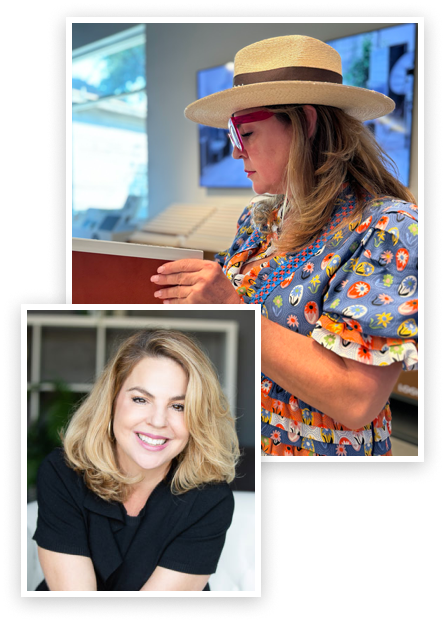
(149, 425)
(138, 498)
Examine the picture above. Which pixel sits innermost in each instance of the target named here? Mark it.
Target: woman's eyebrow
(148, 394)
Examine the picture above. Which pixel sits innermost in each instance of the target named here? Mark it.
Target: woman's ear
(311, 117)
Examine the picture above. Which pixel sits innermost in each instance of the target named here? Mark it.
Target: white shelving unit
(103, 325)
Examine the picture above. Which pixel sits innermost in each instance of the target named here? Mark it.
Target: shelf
(73, 349)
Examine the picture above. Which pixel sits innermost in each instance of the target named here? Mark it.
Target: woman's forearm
(65, 572)
(350, 392)
(165, 580)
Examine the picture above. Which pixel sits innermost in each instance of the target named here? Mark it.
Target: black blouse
(183, 532)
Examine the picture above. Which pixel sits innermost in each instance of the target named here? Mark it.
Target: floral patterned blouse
(353, 291)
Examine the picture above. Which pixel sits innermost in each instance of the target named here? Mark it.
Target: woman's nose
(238, 153)
(157, 417)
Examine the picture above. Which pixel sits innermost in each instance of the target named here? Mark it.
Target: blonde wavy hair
(212, 450)
(341, 150)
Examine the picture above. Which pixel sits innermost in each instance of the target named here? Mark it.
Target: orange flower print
(311, 312)
(382, 223)
(277, 406)
(410, 307)
(276, 437)
(364, 355)
(358, 290)
(353, 325)
(326, 260)
(402, 257)
(287, 281)
(308, 268)
(368, 341)
(292, 322)
(266, 386)
(341, 449)
(384, 299)
(293, 402)
(365, 224)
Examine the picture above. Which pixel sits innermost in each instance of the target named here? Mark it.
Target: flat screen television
(382, 60)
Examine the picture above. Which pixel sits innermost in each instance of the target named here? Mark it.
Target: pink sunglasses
(234, 134)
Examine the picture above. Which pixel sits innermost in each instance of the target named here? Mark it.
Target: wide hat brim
(362, 104)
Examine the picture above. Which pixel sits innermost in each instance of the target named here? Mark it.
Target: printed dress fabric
(354, 291)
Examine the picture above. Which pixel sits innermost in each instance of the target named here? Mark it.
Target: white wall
(174, 54)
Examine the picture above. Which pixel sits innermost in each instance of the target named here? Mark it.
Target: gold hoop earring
(110, 431)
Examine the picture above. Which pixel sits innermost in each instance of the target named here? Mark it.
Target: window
(109, 149)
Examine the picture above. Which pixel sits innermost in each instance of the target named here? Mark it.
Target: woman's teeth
(152, 441)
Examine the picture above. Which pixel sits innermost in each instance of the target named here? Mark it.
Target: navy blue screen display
(382, 60)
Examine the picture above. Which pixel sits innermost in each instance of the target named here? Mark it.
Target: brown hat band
(306, 74)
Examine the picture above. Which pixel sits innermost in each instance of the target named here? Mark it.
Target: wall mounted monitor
(382, 60)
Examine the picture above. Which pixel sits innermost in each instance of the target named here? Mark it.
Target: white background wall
(175, 52)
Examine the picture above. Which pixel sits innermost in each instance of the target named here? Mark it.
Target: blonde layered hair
(341, 150)
(212, 451)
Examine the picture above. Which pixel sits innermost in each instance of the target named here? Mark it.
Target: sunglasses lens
(234, 137)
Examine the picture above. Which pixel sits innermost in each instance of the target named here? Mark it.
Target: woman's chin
(260, 188)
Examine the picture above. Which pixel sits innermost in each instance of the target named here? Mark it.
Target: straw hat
(288, 70)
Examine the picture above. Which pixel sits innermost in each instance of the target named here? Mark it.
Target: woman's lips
(151, 435)
(152, 442)
(249, 173)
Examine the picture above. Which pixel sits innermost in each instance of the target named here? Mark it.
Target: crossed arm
(76, 573)
(353, 393)
(350, 392)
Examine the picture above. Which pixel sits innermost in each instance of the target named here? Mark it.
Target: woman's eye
(246, 135)
(178, 407)
(138, 400)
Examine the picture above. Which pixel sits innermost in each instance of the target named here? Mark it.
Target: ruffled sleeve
(370, 307)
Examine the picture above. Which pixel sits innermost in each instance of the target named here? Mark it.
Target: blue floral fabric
(354, 290)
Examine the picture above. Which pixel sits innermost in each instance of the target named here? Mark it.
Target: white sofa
(236, 568)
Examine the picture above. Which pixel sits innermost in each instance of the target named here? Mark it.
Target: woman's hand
(193, 281)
